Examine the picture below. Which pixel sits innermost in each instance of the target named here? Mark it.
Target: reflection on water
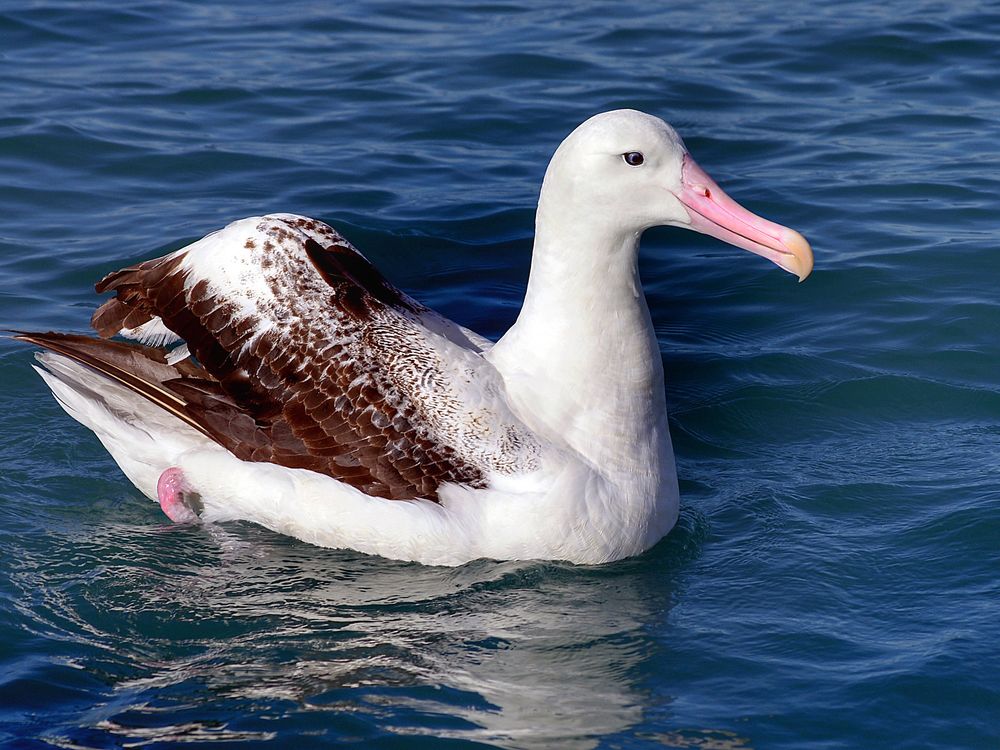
(840, 435)
(186, 626)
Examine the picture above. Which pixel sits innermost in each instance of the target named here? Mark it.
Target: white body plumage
(564, 419)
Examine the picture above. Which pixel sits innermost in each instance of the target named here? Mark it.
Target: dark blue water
(833, 580)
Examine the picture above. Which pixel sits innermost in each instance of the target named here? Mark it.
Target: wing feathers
(303, 355)
(277, 312)
(141, 369)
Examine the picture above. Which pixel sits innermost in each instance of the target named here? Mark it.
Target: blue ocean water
(833, 580)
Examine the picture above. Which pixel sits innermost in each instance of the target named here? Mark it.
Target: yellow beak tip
(800, 249)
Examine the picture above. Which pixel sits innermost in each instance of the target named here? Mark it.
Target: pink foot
(177, 499)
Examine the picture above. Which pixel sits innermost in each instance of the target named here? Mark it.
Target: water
(833, 580)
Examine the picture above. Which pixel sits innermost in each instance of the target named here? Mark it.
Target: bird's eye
(633, 158)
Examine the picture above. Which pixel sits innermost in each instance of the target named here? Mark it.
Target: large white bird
(324, 403)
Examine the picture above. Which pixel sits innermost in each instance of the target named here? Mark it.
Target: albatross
(269, 373)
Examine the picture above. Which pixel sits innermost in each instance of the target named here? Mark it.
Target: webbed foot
(177, 499)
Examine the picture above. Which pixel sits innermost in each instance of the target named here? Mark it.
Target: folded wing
(305, 356)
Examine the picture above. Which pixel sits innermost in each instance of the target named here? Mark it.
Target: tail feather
(182, 390)
(141, 369)
(143, 438)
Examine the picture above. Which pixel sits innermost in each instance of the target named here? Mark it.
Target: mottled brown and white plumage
(310, 359)
(309, 394)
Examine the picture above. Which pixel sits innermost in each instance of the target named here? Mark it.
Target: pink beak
(716, 214)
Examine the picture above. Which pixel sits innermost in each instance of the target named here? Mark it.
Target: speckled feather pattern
(311, 359)
(322, 402)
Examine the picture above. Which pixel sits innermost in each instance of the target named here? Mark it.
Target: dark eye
(633, 158)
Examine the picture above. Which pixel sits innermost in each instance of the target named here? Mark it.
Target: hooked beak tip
(801, 261)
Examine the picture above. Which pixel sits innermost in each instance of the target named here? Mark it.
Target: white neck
(581, 363)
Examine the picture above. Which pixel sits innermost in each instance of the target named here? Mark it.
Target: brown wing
(289, 325)
(141, 368)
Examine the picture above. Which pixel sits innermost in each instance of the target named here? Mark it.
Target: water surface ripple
(833, 579)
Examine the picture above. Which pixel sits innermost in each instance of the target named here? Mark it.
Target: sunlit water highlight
(833, 579)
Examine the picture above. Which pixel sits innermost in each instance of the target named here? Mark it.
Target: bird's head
(634, 170)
